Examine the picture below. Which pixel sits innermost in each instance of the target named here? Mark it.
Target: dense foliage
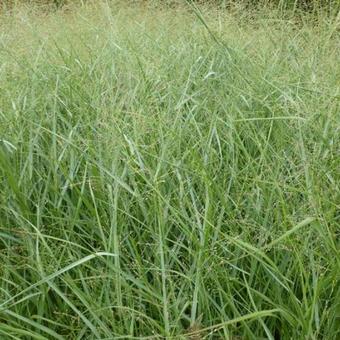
(331, 6)
(168, 173)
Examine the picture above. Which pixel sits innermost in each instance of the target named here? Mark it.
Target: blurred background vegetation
(331, 6)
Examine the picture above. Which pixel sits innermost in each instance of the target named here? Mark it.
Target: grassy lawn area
(169, 173)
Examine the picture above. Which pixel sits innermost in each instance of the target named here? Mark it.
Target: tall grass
(168, 174)
(330, 6)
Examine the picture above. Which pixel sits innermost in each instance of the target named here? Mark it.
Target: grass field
(169, 173)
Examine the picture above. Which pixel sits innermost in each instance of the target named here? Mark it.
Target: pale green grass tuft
(168, 174)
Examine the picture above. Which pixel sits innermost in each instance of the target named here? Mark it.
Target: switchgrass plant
(168, 174)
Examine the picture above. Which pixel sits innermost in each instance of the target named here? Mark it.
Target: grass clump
(160, 179)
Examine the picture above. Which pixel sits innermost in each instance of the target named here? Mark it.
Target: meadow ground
(169, 174)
